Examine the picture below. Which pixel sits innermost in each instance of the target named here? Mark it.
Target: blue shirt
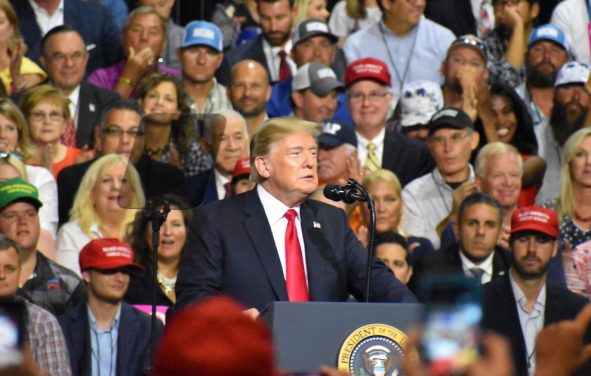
(426, 45)
(103, 345)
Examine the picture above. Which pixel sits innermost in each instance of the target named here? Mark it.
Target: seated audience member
(48, 117)
(428, 199)
(104, 334)
(384, 187)
(65, 58)
(392, 249)
(120, 131)
(523, 301)
(16, 142)
(337, 154)
(173, 237)
(510, 122)
(91, 19)
(228, 143)
(241, 177)
(284, 154)
(349, 16)
(506, 43)
(312, 43)
(143, 41)
(170, 132)
(102, 208)
(17, 72)
(369, 99)
(201, 54)
(43, 333)
(314, 93)
(571, 111)
(249, 91)
(174, 32)
(241, 343)
(480, 220)
(411, 46)
(43, 282)
(419, 101)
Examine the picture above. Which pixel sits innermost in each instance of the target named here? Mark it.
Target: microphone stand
(157, 218)
(371, 234)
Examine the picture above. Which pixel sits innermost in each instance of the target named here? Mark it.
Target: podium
(308, 335)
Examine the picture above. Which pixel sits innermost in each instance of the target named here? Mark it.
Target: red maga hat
(367, 69)
(106, 254)
(535, 218)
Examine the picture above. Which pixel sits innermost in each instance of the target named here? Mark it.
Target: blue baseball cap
(550, 33)
(203, 33)
(336, 133)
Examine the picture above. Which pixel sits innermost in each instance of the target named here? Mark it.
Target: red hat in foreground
(107, 254)
(535, 218)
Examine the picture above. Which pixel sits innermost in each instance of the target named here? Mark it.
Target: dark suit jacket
(448, 261)
(406, 156)
(202, 188)
(252, 49)
(500, 315)
(133, 341)
(157, 178)
(91, 19)
(92, 100)
(456, 15)
(230, 250)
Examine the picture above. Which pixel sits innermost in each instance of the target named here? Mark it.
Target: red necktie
(68, 138)
(295, 278)
(228, 189)
(284, 70)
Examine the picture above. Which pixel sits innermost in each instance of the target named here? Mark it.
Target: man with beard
(570, 112)
(547, 51)
(106, 336)
(249, 91)
(519, 304)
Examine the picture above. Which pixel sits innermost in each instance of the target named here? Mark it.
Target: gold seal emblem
(373, 350)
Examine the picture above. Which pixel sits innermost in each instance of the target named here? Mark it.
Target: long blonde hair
(83, 210)
(565, 205)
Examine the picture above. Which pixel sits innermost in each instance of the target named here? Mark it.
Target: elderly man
(249, 91)
(143, 37)
(412, 46)
(65, 58)
(337, 154)
(272, 243)
(228, 143)
(174, 32)
(369, 99)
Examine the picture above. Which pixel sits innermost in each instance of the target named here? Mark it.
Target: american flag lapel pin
(316, 225)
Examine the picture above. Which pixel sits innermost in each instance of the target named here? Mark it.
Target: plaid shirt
(217, 99)
(193, 162)
(46, 341)
(53, 287)
(497, 41)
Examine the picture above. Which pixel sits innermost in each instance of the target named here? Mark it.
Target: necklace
(157, 152)
(402, 78)
(166, 283)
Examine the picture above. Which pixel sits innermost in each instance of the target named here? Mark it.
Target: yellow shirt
(27, 67)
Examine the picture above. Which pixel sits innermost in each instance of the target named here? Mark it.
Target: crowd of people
(468, 122)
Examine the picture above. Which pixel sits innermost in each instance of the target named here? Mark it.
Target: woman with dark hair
(509, 121)
(173, 238)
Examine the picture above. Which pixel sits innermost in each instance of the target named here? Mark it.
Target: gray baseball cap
(310, 28)
(317, 77)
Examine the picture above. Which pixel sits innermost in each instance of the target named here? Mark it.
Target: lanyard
(410, 54)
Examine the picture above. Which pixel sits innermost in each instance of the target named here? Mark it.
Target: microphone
(347, 193)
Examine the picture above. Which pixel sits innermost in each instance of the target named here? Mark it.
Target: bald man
(249, 90)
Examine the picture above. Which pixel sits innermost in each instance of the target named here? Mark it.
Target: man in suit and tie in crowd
(272, 243)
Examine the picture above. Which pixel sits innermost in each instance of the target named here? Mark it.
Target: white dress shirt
(220, 181)
(274, 61)
(45, 20)
(362, 146)
(486, 266)
(74, 105)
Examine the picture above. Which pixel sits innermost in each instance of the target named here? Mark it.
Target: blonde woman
(98, 210)
(306, 9)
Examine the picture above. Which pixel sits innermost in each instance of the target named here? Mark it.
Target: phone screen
(12, 316)
(451, 333)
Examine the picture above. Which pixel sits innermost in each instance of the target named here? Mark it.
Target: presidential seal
(373, 350)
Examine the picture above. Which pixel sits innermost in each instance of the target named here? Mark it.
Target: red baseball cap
(367, 69)
(535, 218)
(242, 167)
(106, 254)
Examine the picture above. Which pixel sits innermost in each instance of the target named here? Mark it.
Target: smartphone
(12, 328)
(451, 335)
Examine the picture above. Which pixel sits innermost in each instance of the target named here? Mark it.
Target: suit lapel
(259, 231)
(128, 334)
(80, 339)
(86, 106)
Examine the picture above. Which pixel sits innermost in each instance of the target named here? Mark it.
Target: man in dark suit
(271, 47)
(119, 130)
(64, 58)
(519, 304)
(106, 336)
(480, 221)
(369, 99)
(91, 19)
(272, 243)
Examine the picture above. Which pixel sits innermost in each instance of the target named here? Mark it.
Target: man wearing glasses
(120, 130)
(369, 98)
(429, 199)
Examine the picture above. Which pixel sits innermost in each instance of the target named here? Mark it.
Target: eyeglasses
(471, 40)
(118, 132)
(453, 140)
(41, 116)
(372, 97)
